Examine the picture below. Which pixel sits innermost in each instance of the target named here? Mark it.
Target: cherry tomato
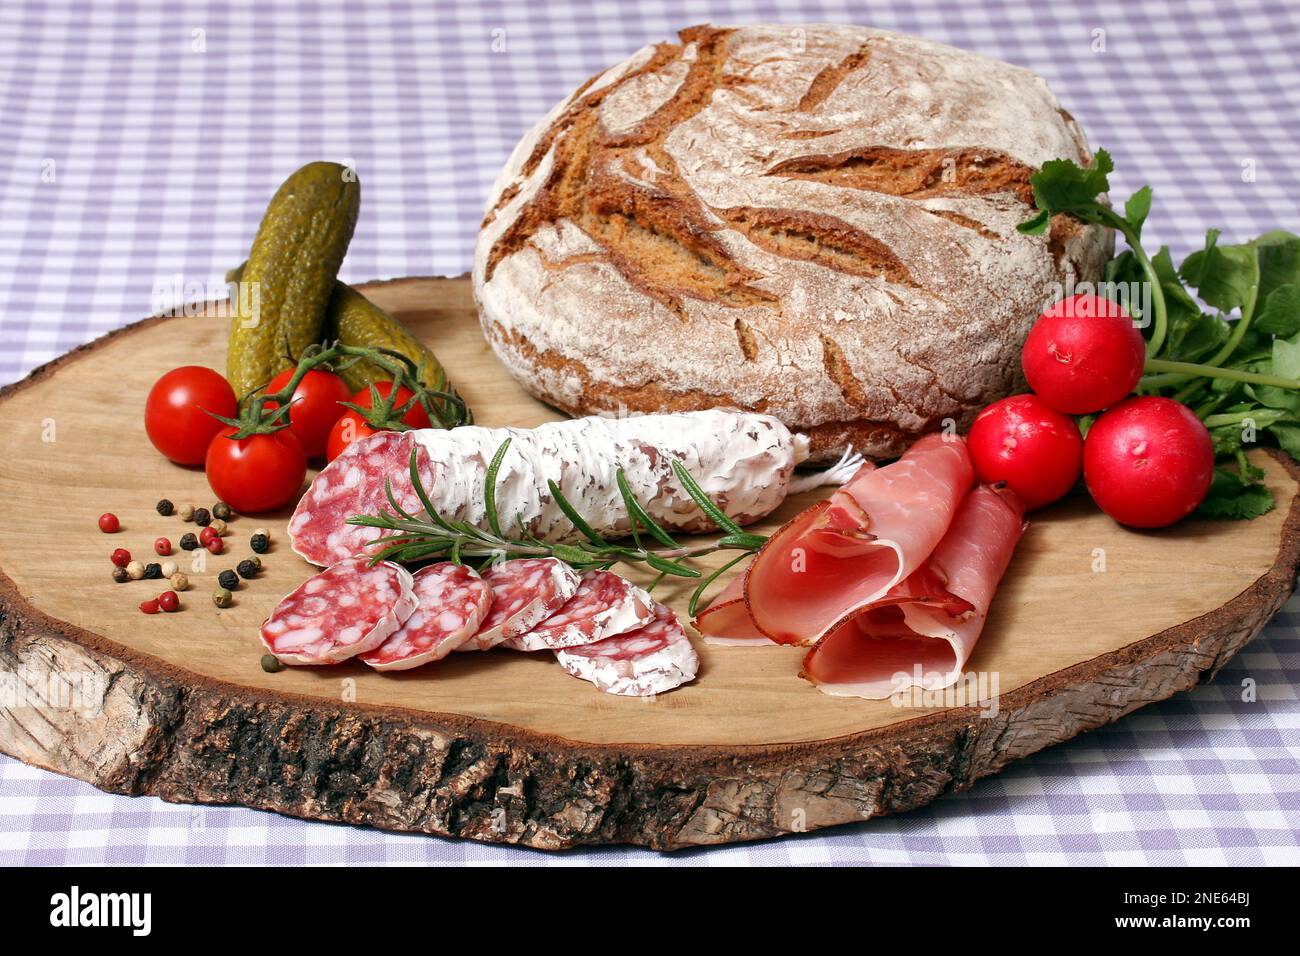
(417, 417)
(1083, 354)
(175, 413)
(108, 523)
(1028, 444)
(1148, 462)
(349, 428)
(315, 407)
(258, 473)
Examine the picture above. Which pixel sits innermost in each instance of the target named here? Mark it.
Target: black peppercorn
(202, 517)
(189, 542)
(120, 575)
(247, 569)
(228, 580)
(260, 543)
(221, 510)
(152, 570)
(165, 507)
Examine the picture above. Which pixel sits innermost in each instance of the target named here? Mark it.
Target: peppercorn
(135, 570)
(168, 601)
(271, 664)
(152, 570)
(165, 507)
(189, 542)
(186, 512)
(179, 581)
(256, 562)
(264, 532)
(202, 517)
(121, 557)
(108, 523)
(162, 546)
(216, 546)
(150, 606)
(221, 510)
(221, 597)
(228, 580)
(247, 569)
(120, 575)
(218, 527)
(206, 536)
(169, 568)
(260, 543)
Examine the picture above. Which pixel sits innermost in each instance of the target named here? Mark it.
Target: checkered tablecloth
(140, 141)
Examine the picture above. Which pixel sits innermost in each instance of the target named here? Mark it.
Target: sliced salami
(604, 606)
(525, 592)
(453, 602)
(345, 610)
(650, 660)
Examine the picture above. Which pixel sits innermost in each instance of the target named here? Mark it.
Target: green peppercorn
(120, 575)
(228, 580)
(222, 598)
(247, 569)
(189, 542)
(165, 507)
(152, 570)
(221, 510)
(271, 664)
(260, 543)
(202, 517)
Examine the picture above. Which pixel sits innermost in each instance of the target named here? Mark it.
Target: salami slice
(345, 610)
(453, 601)
(650, 660)
(525, 592)
(604, 606)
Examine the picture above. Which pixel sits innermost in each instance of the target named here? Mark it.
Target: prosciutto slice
(844, 554)
(923, 631)
(726, 620)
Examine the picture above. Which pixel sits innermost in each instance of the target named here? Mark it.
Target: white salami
(743, 461)
(604, 606)
(453, 602)
(650, 660)
(525, 592)
(345, 610)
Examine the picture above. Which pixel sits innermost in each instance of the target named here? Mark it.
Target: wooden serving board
(1091, 622)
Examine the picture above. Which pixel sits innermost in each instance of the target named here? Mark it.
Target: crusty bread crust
(814, 222)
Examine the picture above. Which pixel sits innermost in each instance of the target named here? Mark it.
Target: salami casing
(453, 600)
(650, 660)
(743, 461)
(345, 610)
(605, 605)
(525, 592)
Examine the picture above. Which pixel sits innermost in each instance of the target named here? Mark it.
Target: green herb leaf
(1232, 497)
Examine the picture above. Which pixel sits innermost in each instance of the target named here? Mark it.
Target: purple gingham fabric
(139, 142)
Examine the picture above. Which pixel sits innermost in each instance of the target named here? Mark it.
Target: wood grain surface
(1091, 622)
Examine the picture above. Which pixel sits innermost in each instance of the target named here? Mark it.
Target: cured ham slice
(726, 620)
(844, 554)
(345, 610)
(605, 605)
(649, 660)
(525, 592)
(923, 632)
(453, 601)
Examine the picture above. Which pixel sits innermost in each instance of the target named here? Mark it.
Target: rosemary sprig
(414, 538)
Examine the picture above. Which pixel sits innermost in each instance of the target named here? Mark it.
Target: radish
(1083, 354)
(1028, 444)
(1148, 462)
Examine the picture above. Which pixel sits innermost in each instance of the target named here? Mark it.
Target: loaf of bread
(815, 222)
